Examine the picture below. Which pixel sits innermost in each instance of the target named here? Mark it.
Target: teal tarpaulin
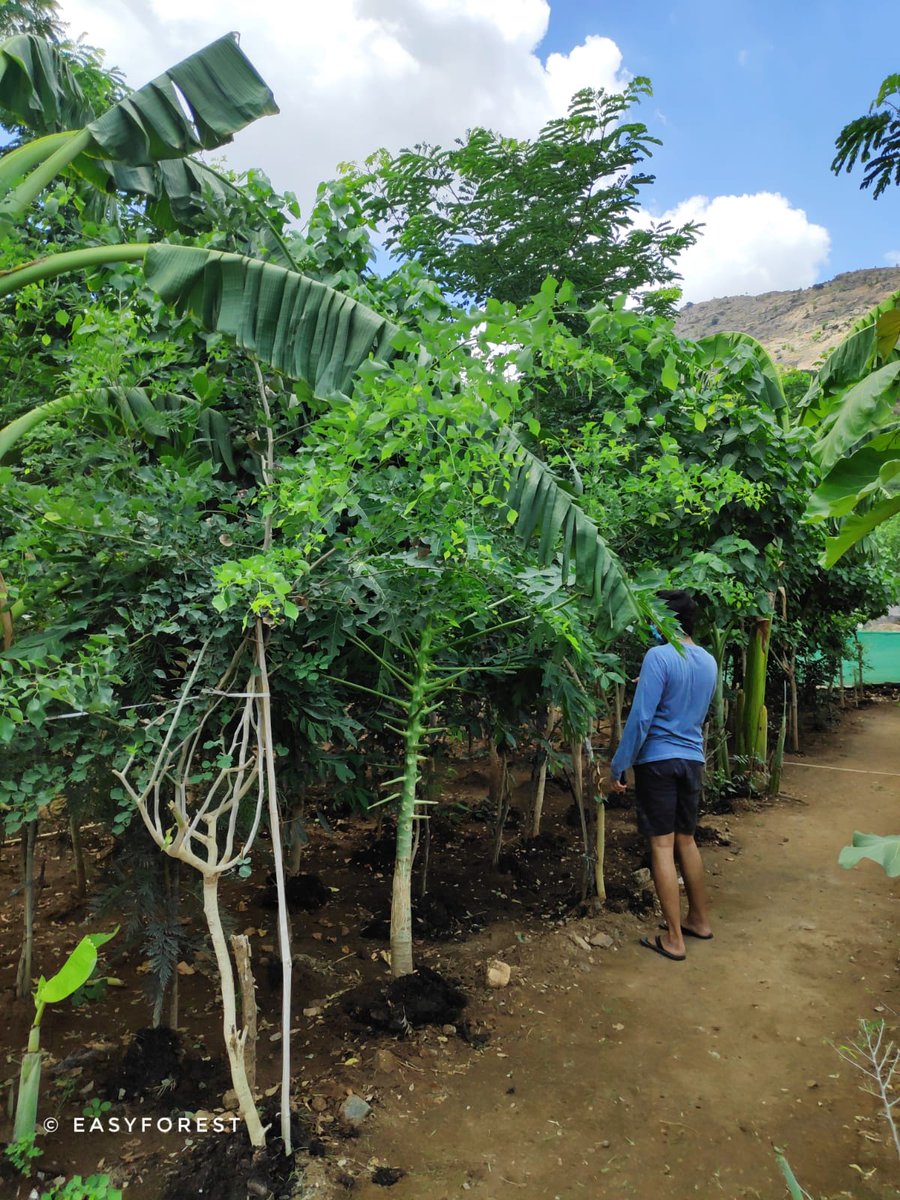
(881, 657)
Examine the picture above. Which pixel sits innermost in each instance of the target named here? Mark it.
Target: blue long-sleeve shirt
(670, 705)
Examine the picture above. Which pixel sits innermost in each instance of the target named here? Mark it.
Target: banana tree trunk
(755, 692)
(718, 644)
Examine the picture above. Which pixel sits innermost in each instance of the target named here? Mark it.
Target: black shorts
(667, 796)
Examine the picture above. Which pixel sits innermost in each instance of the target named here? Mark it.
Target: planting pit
(157, 1069)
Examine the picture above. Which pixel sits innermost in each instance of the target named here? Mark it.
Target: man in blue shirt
(663, 741)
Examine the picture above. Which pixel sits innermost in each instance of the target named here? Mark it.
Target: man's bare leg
(665, 880)
(697, 919)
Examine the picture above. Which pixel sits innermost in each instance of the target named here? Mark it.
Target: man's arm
(647, 696)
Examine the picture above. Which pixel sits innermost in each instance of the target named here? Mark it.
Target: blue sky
(749, 96)
(748, 99)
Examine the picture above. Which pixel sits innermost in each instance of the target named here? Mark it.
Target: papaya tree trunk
(401, 892)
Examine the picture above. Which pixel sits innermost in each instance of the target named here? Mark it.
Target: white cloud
(353, 75)
(748, 244)
(892, 258)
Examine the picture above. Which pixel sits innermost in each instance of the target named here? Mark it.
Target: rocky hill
(797, 328)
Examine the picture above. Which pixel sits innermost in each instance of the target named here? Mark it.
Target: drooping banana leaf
(874, 467)
(544, 507)
(196, 105)
(863, 411)
(297, 326)
(854, 528)
(160, 417)
(870, 342)
(38, 88)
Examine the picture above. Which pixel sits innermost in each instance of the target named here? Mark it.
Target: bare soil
(606, 1072)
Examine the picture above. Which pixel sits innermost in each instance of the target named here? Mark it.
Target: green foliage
(874, 141)
(494, 215)
(72, 975)
(22, 1153)
(94, 1187)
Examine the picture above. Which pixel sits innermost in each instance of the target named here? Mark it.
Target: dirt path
(619, 1074)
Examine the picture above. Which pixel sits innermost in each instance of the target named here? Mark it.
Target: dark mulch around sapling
(379, 854)
(303, 893)
(157, 1069)
(387, 1176)
(436, 918)
(226, 1167)
(422, 998)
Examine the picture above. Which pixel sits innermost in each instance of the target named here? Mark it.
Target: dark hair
(683, 605)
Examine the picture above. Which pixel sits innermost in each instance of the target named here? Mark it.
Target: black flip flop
(701, 937)
(659, 948)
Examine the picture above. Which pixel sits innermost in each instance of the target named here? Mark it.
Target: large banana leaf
(545, 508)
(196, 105)
(37, 87)
(223, 93)
(308, 331)
(166, 417)
(219, 86)
(863, 410)
(297, 326)
(870, 341)
(874, 467)
(853, 529)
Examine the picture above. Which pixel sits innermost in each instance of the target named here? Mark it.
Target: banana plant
(854, 405)
(74, 972)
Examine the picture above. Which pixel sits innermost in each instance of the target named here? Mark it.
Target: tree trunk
(78, 858)
(401, 890)
(23, 974)
(795, 708)
(576, 749)
(540, 787)
(284, 932)
(235, 1042)
(755, 690)
(502, 810)
(241, 945)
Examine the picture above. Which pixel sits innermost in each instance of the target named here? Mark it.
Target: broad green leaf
(871, 468)
(849, 360)
(37, 85)
(196, 105)
(541, 503)
(854, 528)
(23, 425)
(223, 93)
(294, 324)
(882, 850)
(861, 412)
(887, 328)
(75, 971)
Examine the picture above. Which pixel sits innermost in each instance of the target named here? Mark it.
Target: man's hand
(604, 782)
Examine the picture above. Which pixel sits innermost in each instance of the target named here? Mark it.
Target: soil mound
(423, 998)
